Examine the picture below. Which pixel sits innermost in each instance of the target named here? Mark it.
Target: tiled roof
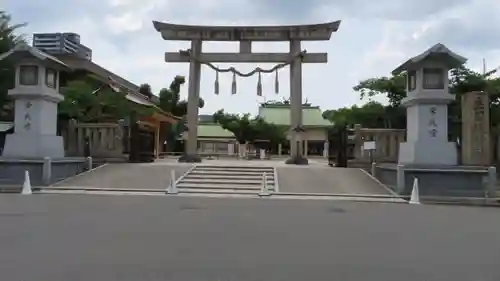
(280, 115)
(213, 131)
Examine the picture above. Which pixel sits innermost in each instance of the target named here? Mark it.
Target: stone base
(190, 159)
(297, 160)
(422, 153)
(29, 146)
(42, 172)
(438, 180)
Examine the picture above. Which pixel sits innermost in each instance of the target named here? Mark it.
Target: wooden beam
(247, 58)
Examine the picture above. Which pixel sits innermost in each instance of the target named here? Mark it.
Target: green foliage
(247, 129)
(370, 115)
(462, 80)
(78, 101)
(170, 102)
(85, 102)
(393, 87)
(8, 38)
(145, 89)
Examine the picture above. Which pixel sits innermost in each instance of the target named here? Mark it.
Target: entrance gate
(245, 35)
(142, 143)
(338, 146)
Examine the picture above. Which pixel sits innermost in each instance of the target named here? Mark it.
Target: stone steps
(226, 181)
(213, 179)
(225, 176)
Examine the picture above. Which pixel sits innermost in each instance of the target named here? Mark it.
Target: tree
(170, 102)
(8, 39)
(93, 102)
(370, 115)
(250, 130)
(394, 88)
(462, 80)
(145, 89)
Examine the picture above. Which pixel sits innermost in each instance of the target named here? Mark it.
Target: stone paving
(317, 177)
(328, 180)
(148, 176)
(122, 238)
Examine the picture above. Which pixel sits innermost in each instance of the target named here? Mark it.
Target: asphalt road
(108, 237)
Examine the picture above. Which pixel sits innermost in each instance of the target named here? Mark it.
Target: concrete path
(130, 238)
(128, 176)
(310, 179)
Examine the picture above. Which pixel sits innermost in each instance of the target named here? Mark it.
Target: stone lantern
(36, 95)
(426, 105)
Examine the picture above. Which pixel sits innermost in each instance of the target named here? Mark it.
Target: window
(51, 78)
(412, 80)
(433, 78)
(28, 75)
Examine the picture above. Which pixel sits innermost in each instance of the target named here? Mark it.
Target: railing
(105, 139)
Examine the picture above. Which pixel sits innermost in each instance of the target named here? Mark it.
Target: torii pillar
(246, 35)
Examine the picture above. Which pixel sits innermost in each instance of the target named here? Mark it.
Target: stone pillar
(280, 148)
(325, 149)
(475, 144)
(230, 148)
(296, 151)
(190, 153)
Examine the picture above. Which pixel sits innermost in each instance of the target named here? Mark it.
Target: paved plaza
(128, 176)
(108, 237)
(316, 178)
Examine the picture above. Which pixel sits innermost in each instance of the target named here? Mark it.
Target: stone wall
(387, 144)
(460, 181)
(42, 172)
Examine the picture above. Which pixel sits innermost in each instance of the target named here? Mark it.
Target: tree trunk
(242, 150)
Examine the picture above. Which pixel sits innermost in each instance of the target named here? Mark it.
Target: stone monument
(427, 155)
(35, 146)
(245, 35)
(475, 142)
(427, 108)
(36, 95)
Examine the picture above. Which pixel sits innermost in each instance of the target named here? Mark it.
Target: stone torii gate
(295, 34)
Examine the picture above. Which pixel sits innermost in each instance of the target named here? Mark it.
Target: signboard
(369, 145)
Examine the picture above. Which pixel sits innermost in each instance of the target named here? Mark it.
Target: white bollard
(27, 184)
(172, 187)
(415, 196)
(264, 190)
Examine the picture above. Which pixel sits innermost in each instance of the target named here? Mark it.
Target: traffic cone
(264, 190)
(172, 187)
(415, 196)
(27, 184)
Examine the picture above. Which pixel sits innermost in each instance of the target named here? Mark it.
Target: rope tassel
(216, 84)
(259, 85)
(233, 85)
(276, 83)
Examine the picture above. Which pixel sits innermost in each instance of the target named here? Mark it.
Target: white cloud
(371, 41)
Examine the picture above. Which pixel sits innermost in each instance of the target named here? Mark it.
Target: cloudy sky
(374, 37)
